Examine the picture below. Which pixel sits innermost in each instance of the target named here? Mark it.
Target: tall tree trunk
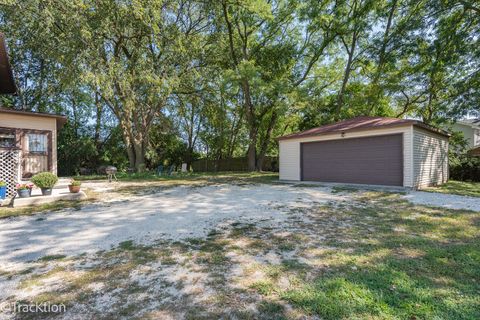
(346, 75)
(135, 127)
(98, 121)
(139, 149)
(40, 97)
(247, 101)
(189, 158)
(266, 140)
(75, 116)
(128, 140)
(252, 127)
(189, 155)
(376, 90)
(233, 140)
(252, 152)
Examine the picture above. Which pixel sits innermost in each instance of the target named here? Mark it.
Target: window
(37, 143)
(7, 138)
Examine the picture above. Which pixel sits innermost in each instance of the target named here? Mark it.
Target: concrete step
(59, 192)
(37, 198)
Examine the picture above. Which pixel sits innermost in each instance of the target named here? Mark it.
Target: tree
(225, 77)
(272, 47)
(131, 54)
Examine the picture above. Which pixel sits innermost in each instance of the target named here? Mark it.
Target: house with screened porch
(28, 144)
(28, 140)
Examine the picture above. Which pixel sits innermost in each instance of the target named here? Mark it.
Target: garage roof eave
(432, 129)
(362, 124)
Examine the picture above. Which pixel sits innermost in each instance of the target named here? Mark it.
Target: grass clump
(265, 287)
(462, 188)
(342, 189)
(337, 298)
(52, 257)
(6, 212)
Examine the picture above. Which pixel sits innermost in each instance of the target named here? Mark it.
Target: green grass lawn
(7, 212)
(375, 257)
(399, 261)
(248, 177)
(462, 188)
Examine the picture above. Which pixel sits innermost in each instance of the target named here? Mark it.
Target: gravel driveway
(268, 241)
(449, 201)
(177, 213)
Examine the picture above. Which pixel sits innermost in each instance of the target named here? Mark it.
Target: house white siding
(470, 133)
(476, 138)
(430, 161)
(290, 151)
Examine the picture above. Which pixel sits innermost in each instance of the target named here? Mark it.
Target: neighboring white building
(471, 131)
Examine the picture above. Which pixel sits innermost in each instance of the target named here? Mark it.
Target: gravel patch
(173, 214)
(449, 201)
(242, 245)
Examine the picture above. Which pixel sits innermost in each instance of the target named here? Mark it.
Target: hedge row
(465, 168)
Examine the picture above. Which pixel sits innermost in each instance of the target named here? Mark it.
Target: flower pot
(24, 193)
(3, 192)
(74, 189)
(46, 191)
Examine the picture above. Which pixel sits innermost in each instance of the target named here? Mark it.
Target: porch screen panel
(37, 143)
(35, 158)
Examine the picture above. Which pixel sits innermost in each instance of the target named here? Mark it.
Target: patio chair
(159, 170)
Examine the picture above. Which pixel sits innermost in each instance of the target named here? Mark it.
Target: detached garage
(367, 150)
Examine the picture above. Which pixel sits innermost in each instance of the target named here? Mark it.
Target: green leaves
(249, 69)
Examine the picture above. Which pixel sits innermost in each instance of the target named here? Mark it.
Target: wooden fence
(233, 164)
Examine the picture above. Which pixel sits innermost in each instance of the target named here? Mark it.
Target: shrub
(2, 183)
(75, 183)
(465, 168)
(45, 180)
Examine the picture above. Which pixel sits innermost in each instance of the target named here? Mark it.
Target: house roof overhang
(473, 123)
(60, 119)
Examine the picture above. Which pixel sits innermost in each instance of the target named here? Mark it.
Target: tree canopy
(145, 82)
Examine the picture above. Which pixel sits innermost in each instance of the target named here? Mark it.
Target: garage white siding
(290, 151)
(430, 158)
(289, 160)
(408, 157)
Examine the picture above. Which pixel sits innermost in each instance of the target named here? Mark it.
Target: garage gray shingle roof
(361, 123)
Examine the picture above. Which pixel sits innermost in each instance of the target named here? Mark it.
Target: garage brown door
(369, 160)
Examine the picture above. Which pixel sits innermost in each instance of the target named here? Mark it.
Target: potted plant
(24, 190)
(74, 186)
(3, 189)
(45, 181)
